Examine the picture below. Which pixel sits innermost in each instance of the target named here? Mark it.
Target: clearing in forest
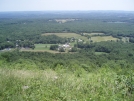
(103, 38)
(100, 53)
(41, 48)
(68, 35)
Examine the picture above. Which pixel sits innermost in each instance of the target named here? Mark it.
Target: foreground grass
(103, 84)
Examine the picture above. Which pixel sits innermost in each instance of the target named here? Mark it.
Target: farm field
(103, 38)
(50, 51)
(41, 48)
(100, 53)
(44, 48)
(68, 35)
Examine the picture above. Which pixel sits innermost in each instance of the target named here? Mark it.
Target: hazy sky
(36, 5)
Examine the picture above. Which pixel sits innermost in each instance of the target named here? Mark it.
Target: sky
(45, 5)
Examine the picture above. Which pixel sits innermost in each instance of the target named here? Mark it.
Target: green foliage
(131, 40)
(100, 71)
(74, 49)
(61, 49)
(61, 84)
(54, 47)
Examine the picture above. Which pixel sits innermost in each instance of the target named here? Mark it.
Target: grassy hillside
(102, 84)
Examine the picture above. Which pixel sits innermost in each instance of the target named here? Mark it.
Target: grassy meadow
(102, 84)
(68, 35)
(103, 38)
(100, 53)
(41, 48)
(96, 38)
(45, 48)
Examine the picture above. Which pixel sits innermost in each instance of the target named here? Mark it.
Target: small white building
(79, 40)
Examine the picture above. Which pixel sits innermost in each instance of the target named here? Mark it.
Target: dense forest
(90, 71)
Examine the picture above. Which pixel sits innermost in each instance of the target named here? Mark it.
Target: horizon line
(64, 10)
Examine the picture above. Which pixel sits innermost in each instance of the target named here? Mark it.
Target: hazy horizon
(66, 5)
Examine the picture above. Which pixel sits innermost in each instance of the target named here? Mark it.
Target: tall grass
(102, 84)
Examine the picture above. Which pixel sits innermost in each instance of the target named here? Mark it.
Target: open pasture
(100, 53)
(103, 38)
(68, 35)
(41, 48)
(45, 48)
(50, 51)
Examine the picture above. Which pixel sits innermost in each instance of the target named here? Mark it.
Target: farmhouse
(79, 40)
(67, 45)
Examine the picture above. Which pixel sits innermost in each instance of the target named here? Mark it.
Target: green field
(41, 48)
(45, 48)
(103, 38)
(100, 53)
(77, 36)
(68, 35)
